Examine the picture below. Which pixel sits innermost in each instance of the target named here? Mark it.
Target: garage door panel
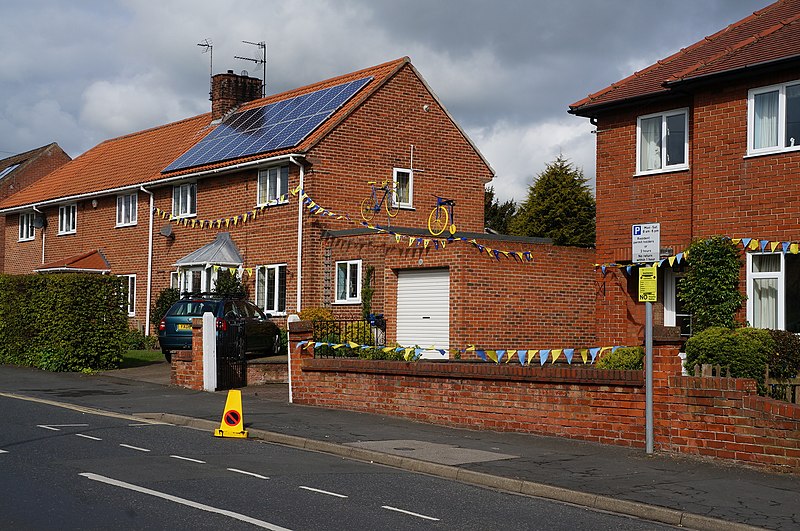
(423, 309)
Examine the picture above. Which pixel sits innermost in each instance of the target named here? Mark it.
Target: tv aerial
(263, 62)
(208, 46)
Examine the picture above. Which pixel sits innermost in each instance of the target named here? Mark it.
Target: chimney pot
(230, 90)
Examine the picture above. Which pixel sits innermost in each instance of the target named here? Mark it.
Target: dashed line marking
(259, 476)
(182, 501)
(134, 447)
(57, 427)
(323, 492)
(3, 451)
(188, 459)
(409, 513)
(88, 437)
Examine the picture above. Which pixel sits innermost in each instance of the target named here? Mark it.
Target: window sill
(659, 172)
(26, 240)
(776, 151)
(125, 225)
(346, 303)
(66, 233)
(184, 216)
(271, 204)
(406, 207)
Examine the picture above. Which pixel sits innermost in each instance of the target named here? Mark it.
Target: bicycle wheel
(437, 220)
(391, 207)
(367, 209)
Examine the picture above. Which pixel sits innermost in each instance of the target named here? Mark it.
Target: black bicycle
(372, 204)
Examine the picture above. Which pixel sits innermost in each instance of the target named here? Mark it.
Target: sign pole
(648, 349)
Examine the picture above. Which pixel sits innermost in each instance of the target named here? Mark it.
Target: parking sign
(645, 242)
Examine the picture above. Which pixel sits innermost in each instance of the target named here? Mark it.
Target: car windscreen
(191, 308)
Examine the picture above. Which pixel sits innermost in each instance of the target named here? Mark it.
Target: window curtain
(341, 281)
(765, 126)
(765, 303)
(650, 155)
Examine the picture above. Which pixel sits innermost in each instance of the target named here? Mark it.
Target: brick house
(21, 170)
(270, 188)
(705, 142)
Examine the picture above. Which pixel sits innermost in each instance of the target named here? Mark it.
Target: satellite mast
(208, 46)
(262, 62)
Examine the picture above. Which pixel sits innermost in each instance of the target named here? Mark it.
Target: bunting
(235, 221)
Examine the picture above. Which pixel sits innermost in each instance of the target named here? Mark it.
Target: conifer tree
(559, 206)
(497, 216)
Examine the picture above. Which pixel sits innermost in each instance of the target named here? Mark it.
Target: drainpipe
(44, 234)
(299, 265)
(149, 264)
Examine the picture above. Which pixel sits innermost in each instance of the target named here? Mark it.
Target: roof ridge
(753, 39)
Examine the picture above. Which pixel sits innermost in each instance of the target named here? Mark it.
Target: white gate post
(209, 352)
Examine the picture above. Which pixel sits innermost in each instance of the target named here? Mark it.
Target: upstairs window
(773, 291)
(67, 215)
(126, 210)
(184, 200)
(27, 231)
(348, 282)
(663, 142)
(271, 288)
(403, 188)
(273, 184)
(773, 118)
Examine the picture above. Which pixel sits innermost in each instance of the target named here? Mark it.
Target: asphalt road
(64, 469)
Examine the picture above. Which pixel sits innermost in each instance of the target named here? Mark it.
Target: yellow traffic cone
(232, 424)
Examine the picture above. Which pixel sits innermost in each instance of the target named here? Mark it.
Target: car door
(253, 327)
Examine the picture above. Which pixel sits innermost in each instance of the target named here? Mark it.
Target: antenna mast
(208, 46)
(262, 62)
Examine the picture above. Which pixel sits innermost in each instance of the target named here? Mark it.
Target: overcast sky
(80, 72)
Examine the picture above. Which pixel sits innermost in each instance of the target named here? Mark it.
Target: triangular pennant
(584, 355)
(679, 258)
(556, 353)
(492, 355)
(773, 246)
(746, 242)
(510, 354)
(785, 247)
(594, 352)
(763, 244)
(671, 261)
(543, 356)
(794, 248)
(531, 354)
(736, 241)
(568, 352)
(481, 354)
(500, 354)
(521, 355)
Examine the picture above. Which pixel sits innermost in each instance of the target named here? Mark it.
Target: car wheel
(167, 355)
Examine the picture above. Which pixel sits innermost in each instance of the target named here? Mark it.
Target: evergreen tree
(559, 206)
(496, 216)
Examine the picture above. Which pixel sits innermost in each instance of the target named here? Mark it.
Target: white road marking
(183, 501)
(56, 427)
(323, 492)
(134, 447)
(140, 425)
(409, 512)
(259, 476)
(3, 451)
(188, 459)
(88, 437)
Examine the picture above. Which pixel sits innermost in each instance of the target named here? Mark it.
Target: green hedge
(624, 359)
(66, 322)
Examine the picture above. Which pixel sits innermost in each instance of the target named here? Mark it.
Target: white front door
(423, 309)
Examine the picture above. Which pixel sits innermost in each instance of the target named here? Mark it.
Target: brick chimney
(230, 90)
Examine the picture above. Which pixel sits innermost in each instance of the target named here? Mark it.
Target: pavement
(683, 491)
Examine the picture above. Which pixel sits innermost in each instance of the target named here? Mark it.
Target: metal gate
(231, 361)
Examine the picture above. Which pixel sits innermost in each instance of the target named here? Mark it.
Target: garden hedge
(63, 322)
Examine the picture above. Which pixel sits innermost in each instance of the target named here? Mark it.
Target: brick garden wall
(714, 417)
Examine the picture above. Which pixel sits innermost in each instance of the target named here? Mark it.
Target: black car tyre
(167, 355)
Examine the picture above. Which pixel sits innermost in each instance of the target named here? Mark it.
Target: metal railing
(371, 332)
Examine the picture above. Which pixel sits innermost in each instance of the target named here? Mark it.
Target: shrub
(316, 314)
(136, 340)
(624, 358)
(162, 304)
(229, 285)
(284, 337)
(744, 351)
(784, 360)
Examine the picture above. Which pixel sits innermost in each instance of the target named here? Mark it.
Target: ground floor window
(675, 312)
(271, 288)
(773, 291)
(131, 303)
(348, 281)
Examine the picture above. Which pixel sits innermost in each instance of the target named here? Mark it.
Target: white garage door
(423, 309)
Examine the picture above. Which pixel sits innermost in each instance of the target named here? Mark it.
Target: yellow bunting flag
(794, 248)
(585, 355)
(556, 353)
(753, 244)
(531, 354)
(773, 246)
(492, 355)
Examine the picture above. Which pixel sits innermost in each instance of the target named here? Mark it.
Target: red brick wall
(724, 191)
(494, 304)
(701, 416)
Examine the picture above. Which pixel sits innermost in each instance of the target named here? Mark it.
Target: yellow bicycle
(372, 204)
(441, 216)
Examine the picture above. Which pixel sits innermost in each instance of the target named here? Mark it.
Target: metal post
(209, 352)
(648, 348)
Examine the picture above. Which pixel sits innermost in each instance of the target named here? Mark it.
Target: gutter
(156, 183)
(149, 295)
(299, 260)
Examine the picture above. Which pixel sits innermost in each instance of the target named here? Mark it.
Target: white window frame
(27, 231)
(265, 194)
(780, 147)
(780, 321)
(271, 307)
(127, 209)
(348, 279)
(665, 168)
(131, 305)
(67, 219)
(184, 200)
(410, 202)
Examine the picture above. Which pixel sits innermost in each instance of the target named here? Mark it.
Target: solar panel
(278, 125)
